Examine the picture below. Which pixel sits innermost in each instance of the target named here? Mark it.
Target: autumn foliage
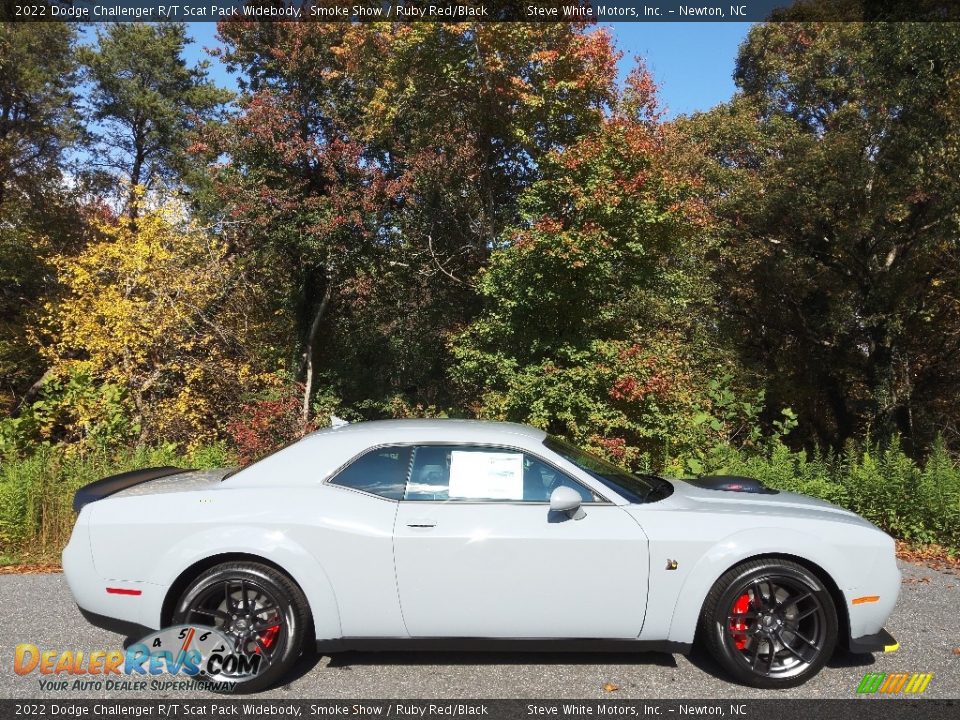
(484, 220)
(266, 425)
(160, 312)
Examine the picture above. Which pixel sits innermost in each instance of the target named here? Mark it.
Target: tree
(163, 313)
(148, 101)
(380, 163)
(835, 173)
(596, 319)
(39, 123)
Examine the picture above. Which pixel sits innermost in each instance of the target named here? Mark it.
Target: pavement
(39, 609)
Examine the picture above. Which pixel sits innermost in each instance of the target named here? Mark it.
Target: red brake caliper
(268, 636)
(739, 626)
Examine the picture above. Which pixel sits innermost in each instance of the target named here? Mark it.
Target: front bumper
(878, 642)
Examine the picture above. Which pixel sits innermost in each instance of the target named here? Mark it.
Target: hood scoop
(732, 483)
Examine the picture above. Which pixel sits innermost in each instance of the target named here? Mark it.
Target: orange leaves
(548, 225)
(545, 56)
(639, 99)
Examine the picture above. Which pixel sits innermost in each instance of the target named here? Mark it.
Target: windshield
(634, 488)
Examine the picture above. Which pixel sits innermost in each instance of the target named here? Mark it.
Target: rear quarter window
(381, 471)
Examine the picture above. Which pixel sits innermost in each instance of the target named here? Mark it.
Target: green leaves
(834, 180)
(75, 410)
(146, 102)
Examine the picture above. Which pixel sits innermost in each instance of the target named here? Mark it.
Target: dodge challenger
(473, 535)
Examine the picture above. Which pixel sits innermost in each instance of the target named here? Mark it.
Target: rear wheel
(770, 623)
(258, 609)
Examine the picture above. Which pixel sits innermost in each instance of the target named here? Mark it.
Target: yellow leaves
(131, 290)
(153, 309)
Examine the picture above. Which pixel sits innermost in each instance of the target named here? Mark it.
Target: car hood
(692, 498)
(179, 482)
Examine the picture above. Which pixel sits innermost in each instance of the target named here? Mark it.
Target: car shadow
(350, 658)
(307, 662)
(846, 659)
(702, 660)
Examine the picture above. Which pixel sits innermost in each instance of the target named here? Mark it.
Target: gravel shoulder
(39, 609)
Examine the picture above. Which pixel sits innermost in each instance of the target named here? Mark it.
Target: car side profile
(469, 534)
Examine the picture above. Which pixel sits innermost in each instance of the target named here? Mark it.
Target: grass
(36, 492)
(916, 502)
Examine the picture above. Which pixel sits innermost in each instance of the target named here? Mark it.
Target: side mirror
(566, 500)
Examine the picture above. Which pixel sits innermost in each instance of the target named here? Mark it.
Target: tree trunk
(136, 172)
(31, 393)
(308, 352)
(132, 200)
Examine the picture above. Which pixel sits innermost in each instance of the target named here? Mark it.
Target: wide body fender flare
(741, 546)
(271, 545)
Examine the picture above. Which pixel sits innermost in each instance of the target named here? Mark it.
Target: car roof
(430, 429)
(322, 452)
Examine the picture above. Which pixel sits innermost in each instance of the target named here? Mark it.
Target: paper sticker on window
(486, 475)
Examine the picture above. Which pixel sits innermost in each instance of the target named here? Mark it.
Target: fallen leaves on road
(933, 556)
(956, 651)
(29, 569)
(610, 687)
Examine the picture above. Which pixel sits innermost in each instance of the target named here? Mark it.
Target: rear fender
(271, 545)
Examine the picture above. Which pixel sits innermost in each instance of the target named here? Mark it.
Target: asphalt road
(39, 609)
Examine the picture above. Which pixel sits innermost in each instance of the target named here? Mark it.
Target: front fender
(272, 545)
(743, 545)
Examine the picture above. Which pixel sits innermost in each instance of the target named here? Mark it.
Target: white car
(467, 534)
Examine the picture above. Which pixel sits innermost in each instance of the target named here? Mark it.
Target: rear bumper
(89, 589)
(878, 642)
(131, 631)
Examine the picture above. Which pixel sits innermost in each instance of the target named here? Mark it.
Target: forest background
(430, 220)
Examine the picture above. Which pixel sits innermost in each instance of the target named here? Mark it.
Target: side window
(540, 480)
(382, 471)
(451, 472)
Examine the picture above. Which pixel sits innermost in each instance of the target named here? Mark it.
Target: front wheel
(259, 610)
(770, 623)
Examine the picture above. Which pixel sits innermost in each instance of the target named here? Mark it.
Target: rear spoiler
(115, 483)
(733, 483)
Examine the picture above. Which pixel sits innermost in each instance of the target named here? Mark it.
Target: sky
(691, 62)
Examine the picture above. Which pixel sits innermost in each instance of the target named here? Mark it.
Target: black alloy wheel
(259, 610)
(770, 623)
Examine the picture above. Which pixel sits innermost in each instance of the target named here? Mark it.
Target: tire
(275, 599)
(769, 623)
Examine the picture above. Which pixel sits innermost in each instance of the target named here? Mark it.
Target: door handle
(422, 523)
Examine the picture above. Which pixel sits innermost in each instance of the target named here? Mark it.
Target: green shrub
(917, 502)
(72, 410)
(36, 492)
